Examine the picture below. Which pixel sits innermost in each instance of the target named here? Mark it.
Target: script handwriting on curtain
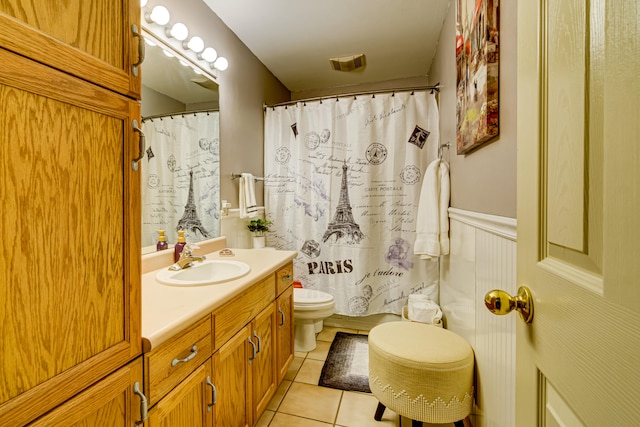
(180, 177)
(342, 185)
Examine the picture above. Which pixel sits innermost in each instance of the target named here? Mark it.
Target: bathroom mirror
(180, 171)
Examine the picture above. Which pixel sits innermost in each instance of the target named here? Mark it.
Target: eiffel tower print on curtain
(190, 220)
(343, 225)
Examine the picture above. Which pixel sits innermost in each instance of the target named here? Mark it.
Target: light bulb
(143, 3)
(196, 44)
(149, 42)
(160, 15)
(221, 63)
(179, 31)
(209, 54)
(167, 53)
(183, 62)
(197, 71)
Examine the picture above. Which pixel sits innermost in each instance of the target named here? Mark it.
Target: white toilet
(310, 308)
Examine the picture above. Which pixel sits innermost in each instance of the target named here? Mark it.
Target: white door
(578, 362)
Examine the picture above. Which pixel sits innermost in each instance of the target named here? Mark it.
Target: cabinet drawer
(231, 317)
(175, 359)
(284, 278)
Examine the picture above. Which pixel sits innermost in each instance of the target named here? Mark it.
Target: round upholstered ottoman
(420, 371)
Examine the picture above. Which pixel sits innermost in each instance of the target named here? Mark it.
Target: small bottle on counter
(162, 241)
(177, 250)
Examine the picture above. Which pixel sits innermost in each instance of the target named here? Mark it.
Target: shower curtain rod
(181, 113)
(435, 87)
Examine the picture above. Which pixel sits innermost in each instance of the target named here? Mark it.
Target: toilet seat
(310, 297)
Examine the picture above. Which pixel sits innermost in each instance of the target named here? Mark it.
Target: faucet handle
(188, 249)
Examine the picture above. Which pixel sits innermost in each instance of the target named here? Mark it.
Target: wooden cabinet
(249, 342)
(262, 364)
(284, 333)
(189, 404)
(70, 250)
(109, 402)
(90, 40)
(233, 381)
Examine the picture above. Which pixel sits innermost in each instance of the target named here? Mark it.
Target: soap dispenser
(162, 241)
(177, 250)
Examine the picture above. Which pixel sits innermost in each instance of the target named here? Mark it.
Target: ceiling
(296, 38)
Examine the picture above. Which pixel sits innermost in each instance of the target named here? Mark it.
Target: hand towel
(432, 229)
(247, 196)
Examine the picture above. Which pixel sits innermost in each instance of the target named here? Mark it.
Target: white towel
(432, 229)
(247, 196)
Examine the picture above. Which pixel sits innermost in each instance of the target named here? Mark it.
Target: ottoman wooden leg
(379, 412)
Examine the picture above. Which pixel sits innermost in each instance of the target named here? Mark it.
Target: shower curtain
(342, 184)
(180, 176)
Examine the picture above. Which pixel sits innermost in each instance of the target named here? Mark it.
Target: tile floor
(300, 402)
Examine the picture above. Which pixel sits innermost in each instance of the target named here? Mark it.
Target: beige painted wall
(244, 88)
(485, 180)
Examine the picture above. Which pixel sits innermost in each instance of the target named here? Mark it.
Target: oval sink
(205, 273)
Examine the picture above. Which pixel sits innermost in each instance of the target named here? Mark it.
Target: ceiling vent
(348, 63)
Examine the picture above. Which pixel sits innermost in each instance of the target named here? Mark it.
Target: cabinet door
(232, 381)
(189, 404)
(110, 402)
(92, 40)
(70, 246)
(284, 333)
(263, 365)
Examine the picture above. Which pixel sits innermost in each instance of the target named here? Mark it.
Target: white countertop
(166, 310)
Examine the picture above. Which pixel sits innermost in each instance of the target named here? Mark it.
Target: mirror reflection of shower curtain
(180, 177)
(342, 186)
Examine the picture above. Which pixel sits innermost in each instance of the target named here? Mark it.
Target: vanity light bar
(160, 17)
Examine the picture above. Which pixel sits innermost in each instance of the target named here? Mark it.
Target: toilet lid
(310, 296)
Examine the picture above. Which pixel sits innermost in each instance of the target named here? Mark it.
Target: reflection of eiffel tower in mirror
(190, 220)
(343, 224)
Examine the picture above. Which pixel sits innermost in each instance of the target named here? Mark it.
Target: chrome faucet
(187, 258)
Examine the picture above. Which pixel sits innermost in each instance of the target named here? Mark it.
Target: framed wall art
(477, 68)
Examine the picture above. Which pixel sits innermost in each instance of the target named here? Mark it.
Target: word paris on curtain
(342, 185)
(180, 177)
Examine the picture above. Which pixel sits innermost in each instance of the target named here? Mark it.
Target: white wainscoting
(483, 257)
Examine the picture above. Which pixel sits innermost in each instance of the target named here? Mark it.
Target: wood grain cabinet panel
(110, 402)
(92, 40)
(242, 309)
(190, 404)
(284, 333)
(264, 381)
(232, 380)
(70, 250)
(284, 278)
(172, 361)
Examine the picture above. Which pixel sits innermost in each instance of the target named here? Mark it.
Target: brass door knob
(500, 302)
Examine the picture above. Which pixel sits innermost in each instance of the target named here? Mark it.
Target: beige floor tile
(329, 333)
(321, 351)
(309, 372)
(265, 419)
(275, 401)
(294, 368)
(311, 401)
(285, 420)
(357, 410)
(300, 354)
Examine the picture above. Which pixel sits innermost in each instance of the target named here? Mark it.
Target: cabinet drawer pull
(141, 145)
(286, 278)
(253, 346)
(282, 317)
(255, 334)
(143, 404)
(214, 394)
(141, 49)
(194, 351)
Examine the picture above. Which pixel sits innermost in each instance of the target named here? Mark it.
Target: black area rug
(347, 364)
